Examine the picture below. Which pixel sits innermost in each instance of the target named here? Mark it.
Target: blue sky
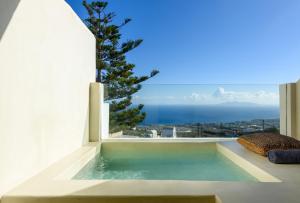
(217, 42)
(212, 41)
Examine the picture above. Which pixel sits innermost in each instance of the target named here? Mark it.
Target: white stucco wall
(47, 60)
(290, 109)
(297, 111)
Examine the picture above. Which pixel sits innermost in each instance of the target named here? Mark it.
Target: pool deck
(285, 172)
(48, 186)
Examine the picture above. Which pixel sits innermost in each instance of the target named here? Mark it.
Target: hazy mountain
(242, 104)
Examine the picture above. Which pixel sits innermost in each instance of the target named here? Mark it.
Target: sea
(187, 114)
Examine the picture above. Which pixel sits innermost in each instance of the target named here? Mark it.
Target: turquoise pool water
(162, 161)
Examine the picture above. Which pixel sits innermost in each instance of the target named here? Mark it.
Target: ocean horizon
(186, 114)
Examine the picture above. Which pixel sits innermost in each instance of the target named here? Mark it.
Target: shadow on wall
(7, 9)
(85, 137)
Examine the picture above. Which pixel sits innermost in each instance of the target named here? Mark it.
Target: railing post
(282, 101)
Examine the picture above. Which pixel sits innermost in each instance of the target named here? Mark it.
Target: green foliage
(113, 68)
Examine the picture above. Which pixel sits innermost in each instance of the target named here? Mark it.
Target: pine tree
(113, 68)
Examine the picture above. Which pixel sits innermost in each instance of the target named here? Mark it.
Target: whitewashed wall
(47, 60)
(297, 112)
(290, 109)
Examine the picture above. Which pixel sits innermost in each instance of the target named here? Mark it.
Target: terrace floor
(45, 188)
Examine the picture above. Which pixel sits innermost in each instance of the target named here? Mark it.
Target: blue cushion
(290, 156)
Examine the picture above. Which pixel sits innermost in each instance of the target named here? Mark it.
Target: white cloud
(197, 97)
(222, 95)
(260, 97)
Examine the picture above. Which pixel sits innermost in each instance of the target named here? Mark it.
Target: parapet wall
(290, 109)
(47, 61)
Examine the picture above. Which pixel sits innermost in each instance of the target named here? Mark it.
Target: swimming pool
(162, 161)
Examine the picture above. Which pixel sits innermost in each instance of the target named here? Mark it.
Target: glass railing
(195, 111)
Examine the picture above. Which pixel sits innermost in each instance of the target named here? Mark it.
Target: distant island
(239, 104)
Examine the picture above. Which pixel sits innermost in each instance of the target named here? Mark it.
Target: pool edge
(252, 169)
